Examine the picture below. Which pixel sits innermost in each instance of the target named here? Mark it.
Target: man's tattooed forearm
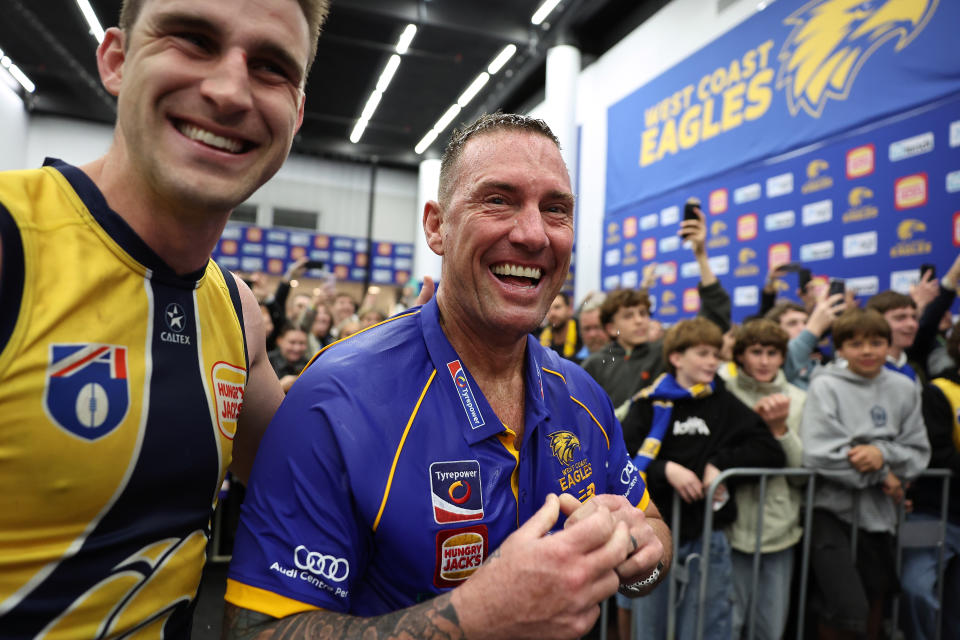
(433, 620)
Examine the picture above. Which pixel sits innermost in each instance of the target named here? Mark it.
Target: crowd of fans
(869, 396)
(865, 392)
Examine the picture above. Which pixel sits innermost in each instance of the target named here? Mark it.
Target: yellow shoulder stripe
(396, 456)
(590, 413)
(263, 601)
(402, 315)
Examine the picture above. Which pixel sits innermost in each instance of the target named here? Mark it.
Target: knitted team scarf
(569, 342)
(664, 390)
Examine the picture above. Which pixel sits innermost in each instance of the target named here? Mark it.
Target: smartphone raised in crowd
(836, 286)
(932, 268)
(689, 209)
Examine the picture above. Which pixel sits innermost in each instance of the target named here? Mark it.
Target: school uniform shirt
(386, 478)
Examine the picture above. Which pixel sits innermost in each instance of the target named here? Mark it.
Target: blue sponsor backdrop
(870, 206)
(791, 74)
(252, 248)
(826, 132)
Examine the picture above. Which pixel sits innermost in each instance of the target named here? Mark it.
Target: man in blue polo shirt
(409, 482)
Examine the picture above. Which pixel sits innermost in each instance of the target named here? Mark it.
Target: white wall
(13, 131)
(676, 31)
(339, 191)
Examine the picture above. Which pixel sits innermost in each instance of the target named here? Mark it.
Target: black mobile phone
(689, 212)
(932, 268)
(803, 278)
(313, 264)
(836, 286)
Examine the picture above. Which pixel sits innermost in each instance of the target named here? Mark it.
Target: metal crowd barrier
(763, 474)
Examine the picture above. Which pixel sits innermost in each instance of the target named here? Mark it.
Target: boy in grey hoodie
(862, 424)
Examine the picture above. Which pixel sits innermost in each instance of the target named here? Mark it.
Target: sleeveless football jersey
(120, 385)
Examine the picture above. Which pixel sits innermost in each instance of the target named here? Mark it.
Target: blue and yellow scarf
(664, 390)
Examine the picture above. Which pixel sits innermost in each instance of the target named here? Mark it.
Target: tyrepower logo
(861, 161)
(459, 376)
(910, 191)
(455, 491)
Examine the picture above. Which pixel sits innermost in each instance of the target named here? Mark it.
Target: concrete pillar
(560, 109)
(425, 261)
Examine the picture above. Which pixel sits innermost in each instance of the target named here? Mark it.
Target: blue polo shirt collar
(479, 421)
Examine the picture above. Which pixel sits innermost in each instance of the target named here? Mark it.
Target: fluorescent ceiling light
(472, 90)
(95, 29)
(406, 38)
(541, 14)
(501, 59)
(17, 74)
(358, 131)
(447, 118)
(372, 102)
(426, 141)
(387, 75)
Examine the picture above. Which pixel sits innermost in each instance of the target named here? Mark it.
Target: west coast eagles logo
(832, 40)
(564, 446)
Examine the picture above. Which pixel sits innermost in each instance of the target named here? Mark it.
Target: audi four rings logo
(329, 567)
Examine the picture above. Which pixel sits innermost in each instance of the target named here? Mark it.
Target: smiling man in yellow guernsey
(133, 369)
(407, 487)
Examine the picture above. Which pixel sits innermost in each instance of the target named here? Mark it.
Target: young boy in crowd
(757, 379)
(684, 430)
(862, 423)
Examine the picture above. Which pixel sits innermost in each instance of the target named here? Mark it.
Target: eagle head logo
(668, 297)
(746, 255)
(816, 167)
(832, 39)
(612, 228)
(908, 227)
(563, 444)
(717, 228)
(858, 195)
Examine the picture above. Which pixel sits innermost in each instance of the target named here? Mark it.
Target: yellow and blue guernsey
(386, 478)
(120, 385)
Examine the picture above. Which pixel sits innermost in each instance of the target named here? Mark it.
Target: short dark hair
(889, 300)
(690, 333)
(344, 294)
(565, 296)
(619, 298)
(856, 322)
(763, 332)
(287, 327)
(487, 123)
(315, 12)
(780, 309)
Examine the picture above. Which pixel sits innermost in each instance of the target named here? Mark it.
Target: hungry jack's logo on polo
(455, 491)
(460, 553)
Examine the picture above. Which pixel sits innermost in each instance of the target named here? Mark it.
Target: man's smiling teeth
(515, 270)
(212, 139)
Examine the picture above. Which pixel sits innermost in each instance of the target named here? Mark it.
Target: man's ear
(110, 59)
(432, 226)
